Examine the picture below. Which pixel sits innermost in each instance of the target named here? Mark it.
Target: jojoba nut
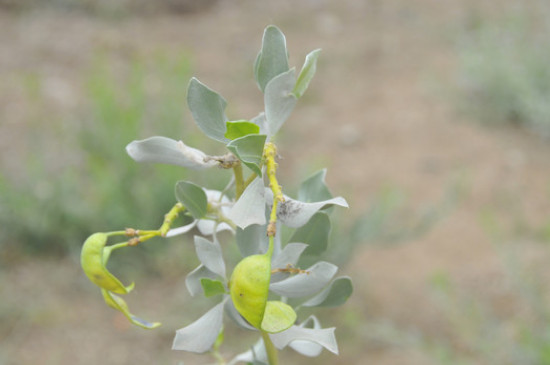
(249, 287)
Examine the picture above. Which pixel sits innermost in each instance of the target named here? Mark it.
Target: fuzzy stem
(271, 169)
(170, 217)
(271, 351)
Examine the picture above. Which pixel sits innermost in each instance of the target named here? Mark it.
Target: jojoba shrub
(254, 208)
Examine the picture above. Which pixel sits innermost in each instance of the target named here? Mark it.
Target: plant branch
(271, 351)
(239, 180)
(170, 217)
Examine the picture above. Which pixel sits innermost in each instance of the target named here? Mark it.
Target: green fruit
(92, 260)
(249, 287)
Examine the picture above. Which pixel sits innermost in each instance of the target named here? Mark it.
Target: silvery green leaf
(251, 240)
(306, 73)
(308, 348)
(208, 109)
(337, 293)
(323, 336)
(193, 279)
(210, 255)
(279, 101)
(288, 256)
(303, 285)
(315, 233)
(295, 213)
(236, 316)
(273, 57)
(200, 335)
(168, 151)
(249, 149)
(206, 227)
(192, 197)
(314, 188)
(261, 121)
(250, 208)
(181, 230)
(254, 356)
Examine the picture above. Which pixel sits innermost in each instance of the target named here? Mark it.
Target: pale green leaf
(278, 316)
(208, 109)
(306, 284)
(249, 149)
(273, 57)
(212, 287)
(306, 73)
(240, 128)
(322, 336)
(210, 255)
(192, 197)
(250, 208)
(314, 188)
(279, 101)
(315, 233)
(200, 335)
(337, 293)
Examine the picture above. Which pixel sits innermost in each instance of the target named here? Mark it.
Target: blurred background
(432, 117)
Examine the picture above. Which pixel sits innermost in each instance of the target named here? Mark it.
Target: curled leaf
(306, 73)
(294, 213)
(93, 259)
(116, 302)
(301, 285)
(322, 336)
(168, 151)
(249, 149)
(308, 348)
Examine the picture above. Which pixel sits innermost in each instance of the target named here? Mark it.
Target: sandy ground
(378, 114)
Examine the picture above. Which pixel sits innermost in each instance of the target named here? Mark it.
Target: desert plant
(267, 288)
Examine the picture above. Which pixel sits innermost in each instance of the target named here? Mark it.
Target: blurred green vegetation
(75, 177)
(503, 63)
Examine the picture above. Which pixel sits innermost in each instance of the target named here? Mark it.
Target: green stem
(170, 217)
(271, 351)
(239, 180)
(250, 179)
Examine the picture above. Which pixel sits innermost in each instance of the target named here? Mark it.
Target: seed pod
(119, 304)
(92, 260)
(249, 288)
